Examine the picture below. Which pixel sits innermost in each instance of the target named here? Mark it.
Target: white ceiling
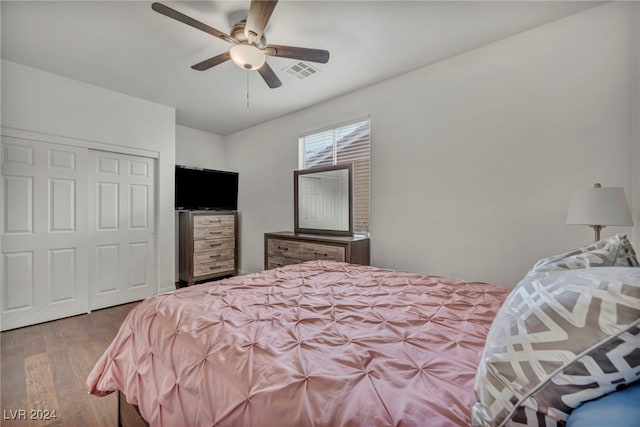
(127, 47)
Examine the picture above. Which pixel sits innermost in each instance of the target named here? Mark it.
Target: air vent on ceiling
(301, 70)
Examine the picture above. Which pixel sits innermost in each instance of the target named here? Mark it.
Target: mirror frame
(296, 173)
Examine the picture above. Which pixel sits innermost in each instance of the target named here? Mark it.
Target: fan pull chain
(247, 88)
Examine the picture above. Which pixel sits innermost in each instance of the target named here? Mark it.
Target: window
(345, 144)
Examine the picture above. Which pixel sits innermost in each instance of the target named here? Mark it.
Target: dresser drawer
(284, 248)
(274, 261)
(200, 221)
(312, 251)
(218, 255)
(208, 245)
(201, 233)
(212, 267)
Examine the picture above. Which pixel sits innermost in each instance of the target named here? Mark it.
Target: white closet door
(44, 232)
(121, 222)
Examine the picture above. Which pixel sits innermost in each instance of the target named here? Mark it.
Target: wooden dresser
(285, 247)
(208, 245)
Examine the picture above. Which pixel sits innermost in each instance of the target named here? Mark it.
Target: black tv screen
(206, 189)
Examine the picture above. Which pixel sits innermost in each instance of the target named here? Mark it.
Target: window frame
(361, 227)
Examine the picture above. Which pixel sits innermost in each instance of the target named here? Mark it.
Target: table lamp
(599, 207)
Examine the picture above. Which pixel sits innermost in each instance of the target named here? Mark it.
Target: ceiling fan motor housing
(237, 32)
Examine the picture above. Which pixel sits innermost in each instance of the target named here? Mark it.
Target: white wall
(474, 158)
(38, 101)
(200, 149)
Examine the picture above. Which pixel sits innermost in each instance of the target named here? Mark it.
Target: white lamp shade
(599, 206)
(247, 57)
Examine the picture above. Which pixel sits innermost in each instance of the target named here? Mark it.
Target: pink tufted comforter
(321, 343)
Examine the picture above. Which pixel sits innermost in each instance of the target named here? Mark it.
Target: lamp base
(596, 229)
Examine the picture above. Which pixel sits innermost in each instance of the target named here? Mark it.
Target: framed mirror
(323, 200)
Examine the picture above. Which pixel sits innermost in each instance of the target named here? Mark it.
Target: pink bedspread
(321, 343)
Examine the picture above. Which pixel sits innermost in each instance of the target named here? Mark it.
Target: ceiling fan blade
(259, 13)
(302, 53)
(269, 76)
(212, 62)
(174, 14)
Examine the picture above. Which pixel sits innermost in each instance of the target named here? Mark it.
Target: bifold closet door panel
(44, 232)
(121, 224)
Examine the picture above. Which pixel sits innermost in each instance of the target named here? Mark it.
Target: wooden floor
(44, 367)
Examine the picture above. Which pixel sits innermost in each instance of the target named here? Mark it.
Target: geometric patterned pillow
(609, 252)
(561, 338)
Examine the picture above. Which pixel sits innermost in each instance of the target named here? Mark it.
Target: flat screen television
(206, 189)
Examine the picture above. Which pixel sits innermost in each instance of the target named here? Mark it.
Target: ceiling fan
(249, 50)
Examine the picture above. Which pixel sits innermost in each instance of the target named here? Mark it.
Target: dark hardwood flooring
(45, 366)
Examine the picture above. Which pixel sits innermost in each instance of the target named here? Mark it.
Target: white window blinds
(345, 144)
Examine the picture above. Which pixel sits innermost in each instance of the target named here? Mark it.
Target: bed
(320, 343)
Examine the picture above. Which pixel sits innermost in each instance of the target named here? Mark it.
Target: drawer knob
(214, 232)
(215, 256)
(215, 244)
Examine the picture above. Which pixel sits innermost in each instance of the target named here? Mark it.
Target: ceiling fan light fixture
(247, 57)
